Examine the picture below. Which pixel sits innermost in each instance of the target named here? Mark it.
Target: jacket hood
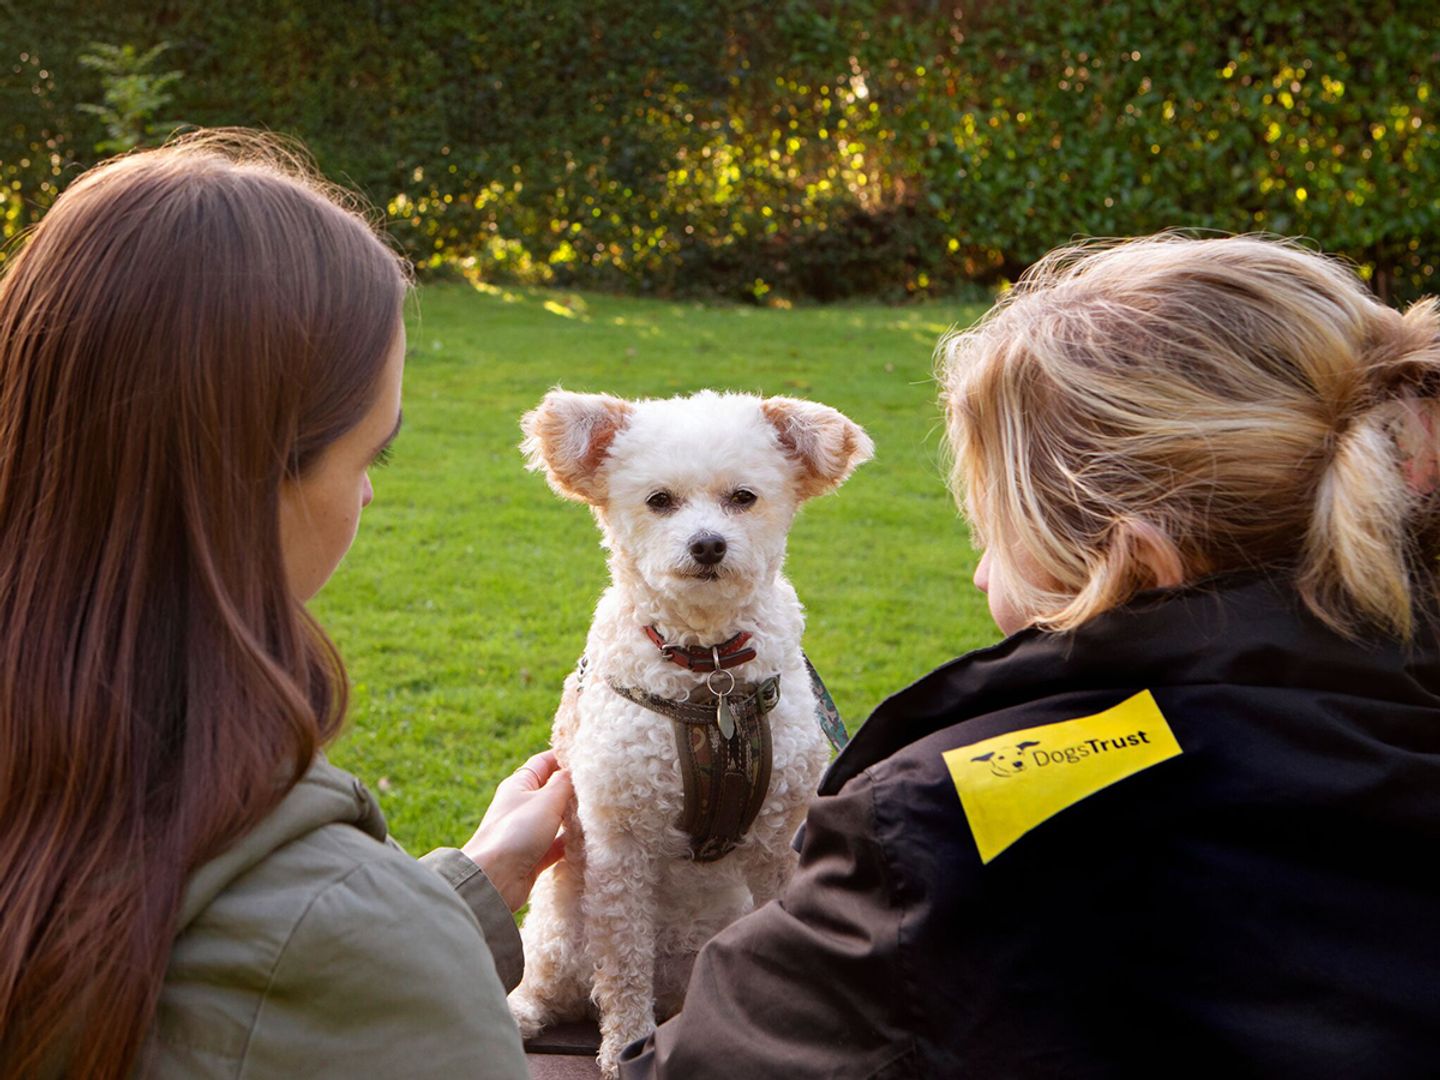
(324, 795)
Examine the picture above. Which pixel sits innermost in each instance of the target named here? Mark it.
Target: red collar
(704, 658)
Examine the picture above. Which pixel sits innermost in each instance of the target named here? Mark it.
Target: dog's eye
(661, 500)
(742, 498)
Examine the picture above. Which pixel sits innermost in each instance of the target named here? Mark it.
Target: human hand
(519, 836)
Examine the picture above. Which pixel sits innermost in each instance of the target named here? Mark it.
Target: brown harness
(726, 779)
(723, 741)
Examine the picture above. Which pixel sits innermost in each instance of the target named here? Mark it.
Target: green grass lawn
(468, 593)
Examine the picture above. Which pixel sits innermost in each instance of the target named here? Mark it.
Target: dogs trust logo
(1012, 782)
(1011, 761)
(1007, 762)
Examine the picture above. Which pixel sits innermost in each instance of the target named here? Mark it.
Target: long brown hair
(186, 328)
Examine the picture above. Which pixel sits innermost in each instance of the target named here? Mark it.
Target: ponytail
(1365, 557)
(1355, 565)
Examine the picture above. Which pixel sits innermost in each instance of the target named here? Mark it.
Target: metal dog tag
(724, 717)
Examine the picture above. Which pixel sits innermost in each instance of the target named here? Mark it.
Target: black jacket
(1265, 902)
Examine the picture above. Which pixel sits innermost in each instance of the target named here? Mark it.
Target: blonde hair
(1209, 404)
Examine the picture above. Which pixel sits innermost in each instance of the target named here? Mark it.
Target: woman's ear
(568, 435)
(826, 444)
(1155, 554)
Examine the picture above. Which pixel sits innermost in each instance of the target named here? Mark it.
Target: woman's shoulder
(325, 826)
(1227, 694)
(313, 945)
(1240, 631)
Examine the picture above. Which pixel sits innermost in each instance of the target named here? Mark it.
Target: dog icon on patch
(1007, 762)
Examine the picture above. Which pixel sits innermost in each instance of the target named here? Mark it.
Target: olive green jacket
(315, 947)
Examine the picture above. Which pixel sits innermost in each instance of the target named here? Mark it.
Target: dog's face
(695, 495)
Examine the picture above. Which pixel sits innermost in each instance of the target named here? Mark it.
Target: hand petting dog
(517, 839)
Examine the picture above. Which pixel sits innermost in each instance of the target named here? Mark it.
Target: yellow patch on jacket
(1011, 783)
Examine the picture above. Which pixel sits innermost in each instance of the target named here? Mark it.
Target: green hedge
(1314, 119)
(786, 149)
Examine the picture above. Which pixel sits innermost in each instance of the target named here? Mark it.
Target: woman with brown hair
(201, 353)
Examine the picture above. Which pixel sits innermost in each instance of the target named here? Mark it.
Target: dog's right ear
(825, 443)
(568, 435)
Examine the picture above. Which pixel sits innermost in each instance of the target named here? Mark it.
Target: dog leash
(826, 714)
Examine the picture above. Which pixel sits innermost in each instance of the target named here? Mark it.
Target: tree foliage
(790, 148)
(134, 94)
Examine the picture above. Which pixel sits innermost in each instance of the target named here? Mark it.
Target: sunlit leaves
(675, 146)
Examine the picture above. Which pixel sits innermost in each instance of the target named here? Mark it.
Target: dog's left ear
(568, 435)
(826, 443)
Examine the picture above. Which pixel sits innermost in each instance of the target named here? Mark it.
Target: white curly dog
(694, 497)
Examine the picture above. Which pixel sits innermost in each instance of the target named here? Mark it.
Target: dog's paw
(529, 1016)
(613, 1043)
(609, 1059)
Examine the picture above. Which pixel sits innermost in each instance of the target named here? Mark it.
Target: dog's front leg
(619, 906)
(767, 868)
(556, 985)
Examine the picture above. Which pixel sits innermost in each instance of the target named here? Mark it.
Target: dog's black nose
(707, 549)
